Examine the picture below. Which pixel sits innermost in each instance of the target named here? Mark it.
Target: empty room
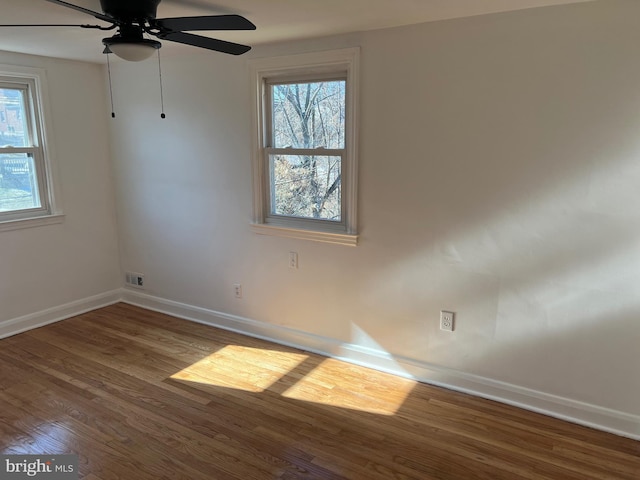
(279, 239)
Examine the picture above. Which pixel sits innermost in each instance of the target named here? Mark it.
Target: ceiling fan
(134, 18)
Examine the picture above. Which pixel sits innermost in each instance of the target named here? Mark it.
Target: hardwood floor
(139, 395)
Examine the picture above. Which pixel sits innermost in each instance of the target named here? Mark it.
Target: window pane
(13, 118)
(308, 115)
(18, 188)
(306, 186)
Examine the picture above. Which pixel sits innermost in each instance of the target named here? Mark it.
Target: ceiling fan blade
(205, 42)
(98, 15)
(97, 27)
(209, 22)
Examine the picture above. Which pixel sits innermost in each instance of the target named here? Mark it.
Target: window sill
(31, 222)
(326, 237)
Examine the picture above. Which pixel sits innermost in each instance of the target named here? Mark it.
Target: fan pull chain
(162, 115)
(113, 114)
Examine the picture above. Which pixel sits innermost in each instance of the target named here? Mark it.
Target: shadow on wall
(520, 214)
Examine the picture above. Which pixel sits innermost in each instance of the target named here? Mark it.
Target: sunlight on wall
(362, 348)
(551, 259)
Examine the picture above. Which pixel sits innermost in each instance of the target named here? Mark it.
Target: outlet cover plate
(446, 320)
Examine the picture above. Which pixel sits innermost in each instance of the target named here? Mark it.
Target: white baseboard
(55, 314)
(619, 423)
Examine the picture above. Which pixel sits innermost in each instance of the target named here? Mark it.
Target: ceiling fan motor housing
(134, 18)
(130, 11)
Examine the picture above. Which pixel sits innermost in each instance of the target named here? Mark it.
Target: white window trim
(316, 63)
(52, 214)
(22, 223)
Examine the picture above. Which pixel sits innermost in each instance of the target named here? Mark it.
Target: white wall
(49, 267)
(499, 179)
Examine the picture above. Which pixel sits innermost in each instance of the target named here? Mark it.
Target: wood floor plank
(142, 395)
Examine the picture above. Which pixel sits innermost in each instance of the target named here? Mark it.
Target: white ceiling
(276, 20)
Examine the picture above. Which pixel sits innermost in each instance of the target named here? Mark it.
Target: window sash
(35, 150)
(318, 152)
(26, 88)
(40, 185)
(27, 150)
(329, 76)
(291, 220)
(269, 150)
(268, 85)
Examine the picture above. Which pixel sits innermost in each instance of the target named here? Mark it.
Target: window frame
(318, 66)
(33, 82)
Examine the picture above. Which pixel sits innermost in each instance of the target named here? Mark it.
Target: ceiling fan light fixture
(132, 50)
(134, 19)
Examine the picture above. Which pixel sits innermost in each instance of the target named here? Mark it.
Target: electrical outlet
(237, 290)
(446, 320)
(293, 259)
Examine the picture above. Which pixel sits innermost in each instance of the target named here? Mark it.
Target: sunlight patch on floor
(337, 384)
(241, 368)
(299, 377)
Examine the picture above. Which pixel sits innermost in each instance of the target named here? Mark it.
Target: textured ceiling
(276, 20)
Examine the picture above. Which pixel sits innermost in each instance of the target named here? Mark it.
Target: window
(25, 188)
(305, 154)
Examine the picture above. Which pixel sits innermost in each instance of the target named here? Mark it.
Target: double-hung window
(305, 165)
(25, 188)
